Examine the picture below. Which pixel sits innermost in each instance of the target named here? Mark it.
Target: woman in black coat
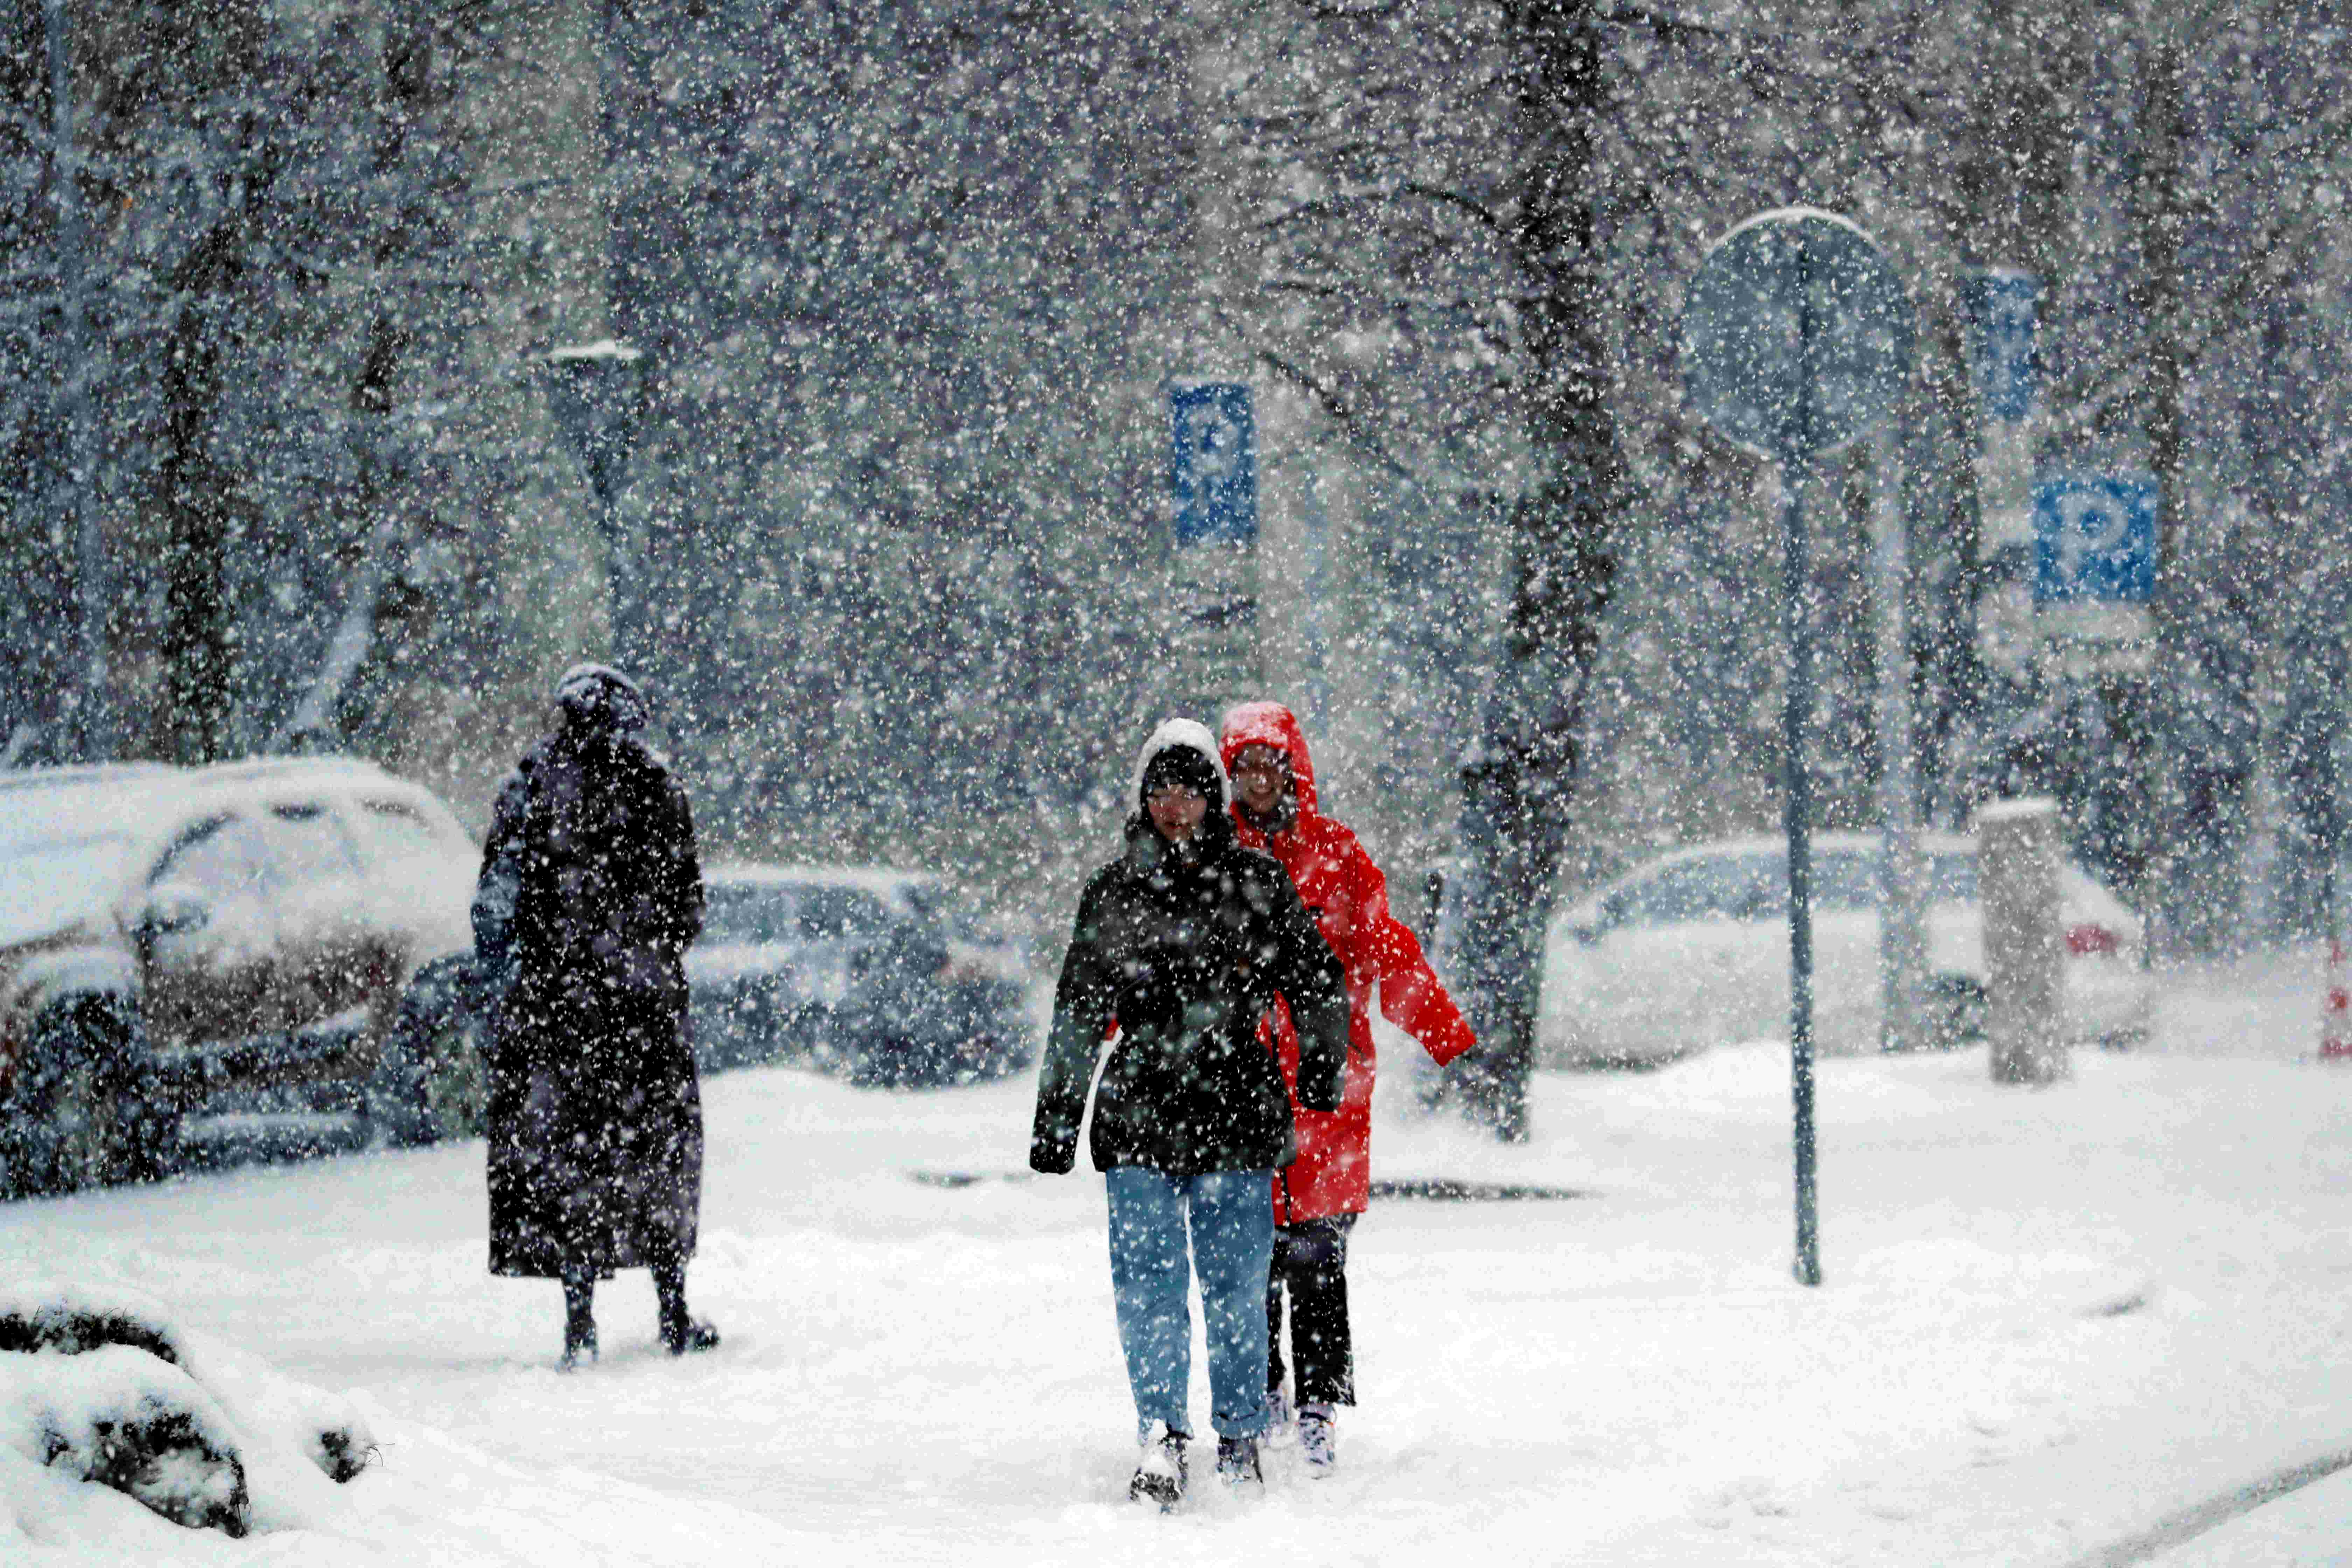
(590, 893)
(1183, 942)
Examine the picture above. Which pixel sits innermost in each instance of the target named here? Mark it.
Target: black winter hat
(1187, 769)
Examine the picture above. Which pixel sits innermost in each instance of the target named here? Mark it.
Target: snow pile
(99, 1384)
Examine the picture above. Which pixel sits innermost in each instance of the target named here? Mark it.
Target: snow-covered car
(1692, 949)
(888, 976)
(176, 940)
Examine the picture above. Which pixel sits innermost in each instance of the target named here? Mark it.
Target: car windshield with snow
(886, 976)
(196, 960)
(1692, 950)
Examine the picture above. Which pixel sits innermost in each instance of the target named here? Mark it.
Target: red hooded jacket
(1349, 901)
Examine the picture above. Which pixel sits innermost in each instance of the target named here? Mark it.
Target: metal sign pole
(1797, 341)
(1797, 798)
(1796, 817)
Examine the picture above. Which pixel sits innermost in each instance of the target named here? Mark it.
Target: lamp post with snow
(597, 393)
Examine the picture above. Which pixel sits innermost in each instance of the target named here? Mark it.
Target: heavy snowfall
(1807, 541)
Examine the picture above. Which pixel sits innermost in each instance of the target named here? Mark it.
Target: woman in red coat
(1318, 1198)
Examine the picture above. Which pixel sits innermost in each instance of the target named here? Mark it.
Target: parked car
(1692, 949)
(887, 976)
(176, 941)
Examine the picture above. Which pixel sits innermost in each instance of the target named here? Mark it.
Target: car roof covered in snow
(25, 779)
(40, 805)
(2081, 892)
(73, 839)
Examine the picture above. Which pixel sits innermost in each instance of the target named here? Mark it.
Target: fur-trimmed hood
(1191, 735)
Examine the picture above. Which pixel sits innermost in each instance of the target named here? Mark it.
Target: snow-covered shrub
(321, 1426)
(45, 1317)
(124, 1418)
(108, 1387)
(341, 1453)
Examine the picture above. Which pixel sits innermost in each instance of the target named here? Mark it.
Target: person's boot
(679, 1333)
(579, 1322)
(1159, 1476)
(1278, 1414)
(1237, 1463)
(684, 1335)
(1318, 1437)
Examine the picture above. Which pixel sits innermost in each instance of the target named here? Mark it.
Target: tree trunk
(199, 652)
(2201, 768)
(1519, 775)
(217, 53)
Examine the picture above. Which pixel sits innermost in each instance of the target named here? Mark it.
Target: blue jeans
(1231, 1217)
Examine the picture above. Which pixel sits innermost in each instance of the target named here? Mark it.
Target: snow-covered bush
(124, 1418)
(105, 1386)
(50, 1317)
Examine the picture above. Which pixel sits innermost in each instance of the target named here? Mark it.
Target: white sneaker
(1318, 1437)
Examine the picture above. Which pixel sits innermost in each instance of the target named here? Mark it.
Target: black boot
(680, 1332)
(683, 1335)
(579, 1319)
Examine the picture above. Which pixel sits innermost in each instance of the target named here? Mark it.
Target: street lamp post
(597, 393)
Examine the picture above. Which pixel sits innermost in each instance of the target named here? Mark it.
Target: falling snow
(922, 404)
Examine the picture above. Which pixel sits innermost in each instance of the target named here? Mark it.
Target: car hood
(53, 890)
(33, 973)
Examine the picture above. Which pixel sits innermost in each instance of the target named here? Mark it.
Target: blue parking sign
(2094, 540)
(1214, 472)
(2002, 303)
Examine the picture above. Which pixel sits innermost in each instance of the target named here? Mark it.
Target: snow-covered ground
(2053, 1322)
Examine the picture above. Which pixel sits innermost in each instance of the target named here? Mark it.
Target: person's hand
(1048, 1160)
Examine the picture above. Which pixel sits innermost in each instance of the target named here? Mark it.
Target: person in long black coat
(591, 891)
(1184, 944)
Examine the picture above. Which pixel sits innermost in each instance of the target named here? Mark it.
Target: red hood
(1270, 724)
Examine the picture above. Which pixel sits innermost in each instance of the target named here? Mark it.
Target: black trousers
(1310, 1259)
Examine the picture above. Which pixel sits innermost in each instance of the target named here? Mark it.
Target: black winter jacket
(591, 891)
(1185, 955)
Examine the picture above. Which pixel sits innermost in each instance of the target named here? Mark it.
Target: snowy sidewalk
(2050, 1320)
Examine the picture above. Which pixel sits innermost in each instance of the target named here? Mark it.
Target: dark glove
(1052, 1157)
